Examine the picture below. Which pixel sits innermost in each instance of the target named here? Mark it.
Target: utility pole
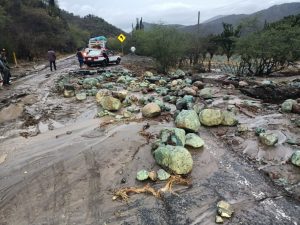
(198, 23)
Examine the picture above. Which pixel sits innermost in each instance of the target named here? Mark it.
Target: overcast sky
(122, 13)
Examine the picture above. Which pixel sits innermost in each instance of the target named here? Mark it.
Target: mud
(67, 168)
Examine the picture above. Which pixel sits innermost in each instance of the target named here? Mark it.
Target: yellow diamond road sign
(121, 37)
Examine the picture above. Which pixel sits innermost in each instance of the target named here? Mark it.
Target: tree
(211, 48)
(272, 49)
(227, 39)
(165, 44)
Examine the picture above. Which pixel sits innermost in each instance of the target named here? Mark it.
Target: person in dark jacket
(6, 73)
(79, 57)
(52, 58)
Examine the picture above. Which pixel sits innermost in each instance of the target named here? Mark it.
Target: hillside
(31, 27)
(214, 25)
(269, 15)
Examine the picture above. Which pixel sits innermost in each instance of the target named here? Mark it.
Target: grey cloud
(123, 13)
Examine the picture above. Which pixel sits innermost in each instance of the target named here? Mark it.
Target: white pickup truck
(98, 57)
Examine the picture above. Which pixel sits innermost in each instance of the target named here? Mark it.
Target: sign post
(122, 38)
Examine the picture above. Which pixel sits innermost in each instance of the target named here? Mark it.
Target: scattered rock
(229, 119)
(153, 175)
(176, 158)
(268, 139)
(101, 94)
(287, 106)
(242, 128)
(121, 95)
(243, 84)
(199, 84)
(110, 103)
(81, 96)
(193, 140)
(206, 93)
(3, 158)
(181, 104)
(211, 117)
(225, 209)
(148, 74)
(12, 112)
(151, 110)
(295, 159)
(188, 120)
(219, 219)
(173, 136)
(142, 175)
(69, 93)
(189, 91)
(162, 175)
(296, 108)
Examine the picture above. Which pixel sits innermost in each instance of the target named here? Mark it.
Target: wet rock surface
(60, 164)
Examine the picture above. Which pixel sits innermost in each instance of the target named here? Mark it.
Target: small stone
(259, 130)
(148, 74)
(174, 136)
(69, 93)
(206, 93)
(153, 175)
(296, 108)
(219, 219)
(194, 141)
(242, 128)
(189, 91)
(225, 209)
(81, 96)
(268, 139)
(287, 106)
(121, 95)
(151, 110)
(243, 84)
(295, 159)
(3, 158)
(142, 175)
(163, 175)
(199, 84)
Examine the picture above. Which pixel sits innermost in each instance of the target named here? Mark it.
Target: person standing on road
(80, 57)
(52, 58)
(6, 73)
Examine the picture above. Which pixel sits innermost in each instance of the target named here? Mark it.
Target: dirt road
(64, 166)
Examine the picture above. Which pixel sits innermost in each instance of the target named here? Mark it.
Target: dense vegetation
(31, 27)
(260, 53)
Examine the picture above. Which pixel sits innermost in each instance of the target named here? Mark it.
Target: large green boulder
(193, 140)
(229, 119)
(287, 106)
(296, 158)
(175, 158)
(206, 93)
(88, 83)
(110, 103)
(151, 110)
(211, 117)
(188, 120)
(173, 136)
(268, 139)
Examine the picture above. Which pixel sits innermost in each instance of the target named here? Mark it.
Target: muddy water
(67, 173)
